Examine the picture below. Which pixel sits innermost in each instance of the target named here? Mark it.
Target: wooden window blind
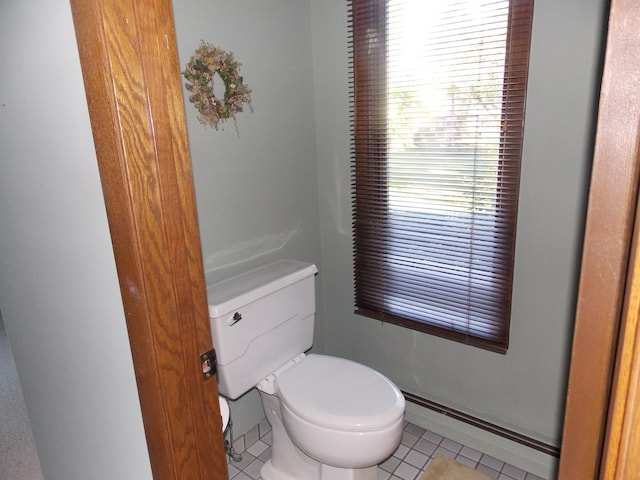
(438, 100)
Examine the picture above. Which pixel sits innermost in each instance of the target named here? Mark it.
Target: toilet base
(290, 463)
(269, 472)
(287, 461)
(327, 472)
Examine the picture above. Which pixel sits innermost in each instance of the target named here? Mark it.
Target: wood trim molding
(132, 79)
(622, 443)
(610, 219)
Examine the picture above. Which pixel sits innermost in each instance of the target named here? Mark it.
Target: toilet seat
(339, 394)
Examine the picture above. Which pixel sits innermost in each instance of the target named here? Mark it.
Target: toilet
(331, 418)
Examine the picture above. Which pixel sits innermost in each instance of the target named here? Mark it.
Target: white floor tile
(408, 462)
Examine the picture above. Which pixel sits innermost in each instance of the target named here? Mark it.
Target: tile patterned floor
(417, 448)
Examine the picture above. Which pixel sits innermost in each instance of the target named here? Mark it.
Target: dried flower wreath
(204, 64)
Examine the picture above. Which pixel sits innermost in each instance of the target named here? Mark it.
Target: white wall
(523, 390)
(59, 294)
(256, 189)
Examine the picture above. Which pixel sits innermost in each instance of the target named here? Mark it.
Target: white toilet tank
(260, 320)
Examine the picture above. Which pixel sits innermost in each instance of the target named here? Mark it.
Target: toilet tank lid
(231, 294)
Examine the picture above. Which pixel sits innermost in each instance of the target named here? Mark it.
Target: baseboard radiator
(483, 424)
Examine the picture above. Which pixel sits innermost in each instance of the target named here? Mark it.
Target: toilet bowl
(341, 412)
(345, 417)
(331, 418)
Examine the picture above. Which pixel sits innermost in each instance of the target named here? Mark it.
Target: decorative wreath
(205, 63)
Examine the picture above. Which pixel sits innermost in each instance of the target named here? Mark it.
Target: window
(438, 100)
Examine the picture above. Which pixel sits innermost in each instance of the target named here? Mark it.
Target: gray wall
(279, 189)
(255, 200)
(523, 390)
(256, 188)
(59, 293)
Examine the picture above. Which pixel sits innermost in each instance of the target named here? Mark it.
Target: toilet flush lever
(208, 362)
(235, 319)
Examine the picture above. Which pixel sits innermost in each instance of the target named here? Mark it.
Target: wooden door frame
(607, 247)
(132, 77)
(621, 459)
